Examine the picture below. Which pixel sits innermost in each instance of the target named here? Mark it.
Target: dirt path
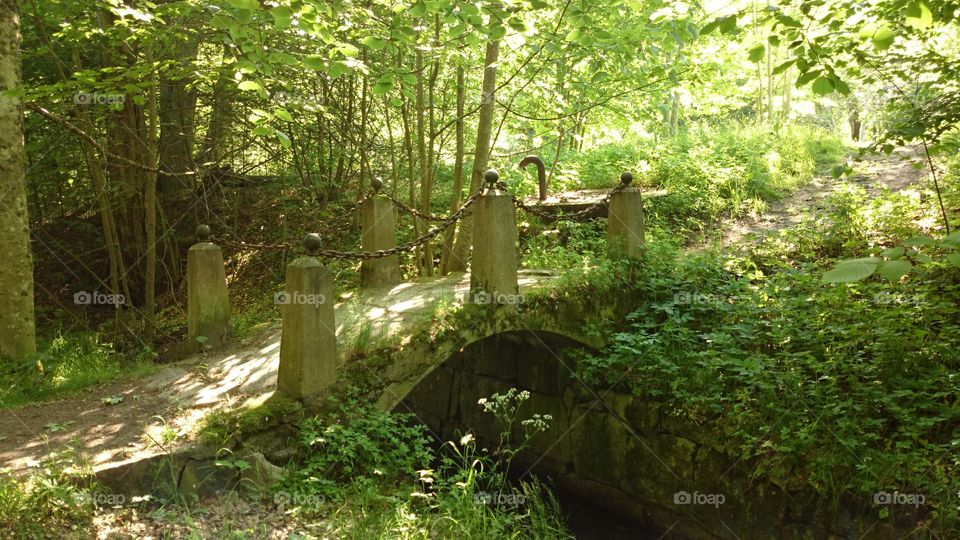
(873, 173)
(125, 420)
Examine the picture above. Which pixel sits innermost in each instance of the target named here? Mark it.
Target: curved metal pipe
(541, 173)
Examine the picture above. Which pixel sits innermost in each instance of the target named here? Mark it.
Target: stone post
(625, 220)
(379, 232)
(493, 270)
(208, 306)
(308, 340)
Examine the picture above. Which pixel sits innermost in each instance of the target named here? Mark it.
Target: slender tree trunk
(674, 112)
(177, 111)
(361, 184)
(150, 219)
(426, 252)
(447, 251)
(787, 95)
(17, 330)
(215, 137)
(464, 235)
(394, 170)
(769, 82)
(408, 149)
(98, 176)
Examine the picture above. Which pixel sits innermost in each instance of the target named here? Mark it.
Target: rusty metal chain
(353, 207)
(413, 211)
(365, 255)
(411, 245)
(246, 245)
(558, 216)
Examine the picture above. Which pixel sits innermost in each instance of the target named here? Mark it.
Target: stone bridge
(434, 346)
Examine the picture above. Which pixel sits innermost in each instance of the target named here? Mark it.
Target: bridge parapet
(308, 352)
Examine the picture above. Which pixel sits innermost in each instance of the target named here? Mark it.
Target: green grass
(65, 365)
(59, 495)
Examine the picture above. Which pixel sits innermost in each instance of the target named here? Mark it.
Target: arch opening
(544, 364)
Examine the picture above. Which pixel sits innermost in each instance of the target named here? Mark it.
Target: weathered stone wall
(627, 454)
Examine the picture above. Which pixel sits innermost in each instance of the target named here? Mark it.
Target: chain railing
(625, 180)
(443, 222)
(413, 211)
(446, 223)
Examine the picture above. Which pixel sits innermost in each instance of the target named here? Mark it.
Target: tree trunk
(464, 235)
(215, 136)
(150, 219)
(426, 251)
(408, 149)
(17, 330)
(177, 110)
(447, 251)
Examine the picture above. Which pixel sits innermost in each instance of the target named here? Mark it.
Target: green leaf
(250, 86)
(822, 86)
(418, 9)
(728, 24)
(315, 62)
(804, 78)
(282, 137)
(841, 87)
(244, 4)
(914, 241)
(893, 253)
(574, 35)
(710, 27)
(883, 38)
(784, 66)
(894, 270)
(283, 114)
(260, 131)
(283, 12)
(497, 32)
(919, 16)
(851, 270)
(382, 87)
(348, 50)
(953, 258)
(757, 53)
(951, 241)
(338, 68)
(374, 43)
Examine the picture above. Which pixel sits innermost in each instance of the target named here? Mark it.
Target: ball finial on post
(491, 176)
(311, 242)
(626, 178)
(376, 184)
(203, 233)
